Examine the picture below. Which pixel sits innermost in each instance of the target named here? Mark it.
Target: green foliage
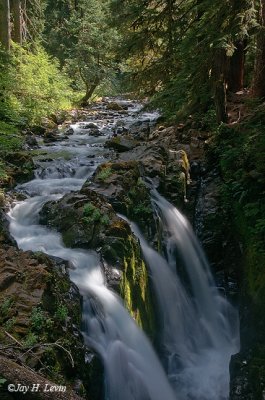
(9, 324)
(32, 86)
(6, 306)
(10, 140)
(39, 320)
(2, 381)
(30, 340)
(240, 150)
(85, 43)
(142, 210)
(88, 209)
(91, 215)
(61, 313)
(3, 174)
(105, 220)
(172, 47)
(104, 174)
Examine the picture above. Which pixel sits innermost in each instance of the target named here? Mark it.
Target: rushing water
(133, 370)
(198, 326)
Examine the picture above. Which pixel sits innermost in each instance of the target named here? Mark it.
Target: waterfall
(199, 327)
(132, 368)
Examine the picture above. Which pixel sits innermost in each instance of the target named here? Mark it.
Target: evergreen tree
(259, 81)
(5, 23)
(150, 35)
(186, 51)
(83, 41)
(16, 7)
(59, 32)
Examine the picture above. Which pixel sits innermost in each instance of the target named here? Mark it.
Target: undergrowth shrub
(31, 86)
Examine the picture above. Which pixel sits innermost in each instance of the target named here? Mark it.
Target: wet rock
(38, 130)
(21, 167)
(31, 141)
(69, 131)
(16, 373)
(152, 158)
(83, 219)
(95, 132)
(121, 143)
(51, 136)
(114, 106)
(61, 116)
(90, 125)
(195, 170)
(49, 124)
(120, 183)
(247, 376)
(87, 220)
(140, 129)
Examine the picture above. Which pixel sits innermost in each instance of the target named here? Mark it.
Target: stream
(199, 328)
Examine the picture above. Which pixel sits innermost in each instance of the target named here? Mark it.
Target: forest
(132, 212)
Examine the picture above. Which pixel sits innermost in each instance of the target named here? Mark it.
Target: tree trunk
(17, 13)
(89, 91)
(5, 23)
(259, 74)
(219, 73)
(236, 68)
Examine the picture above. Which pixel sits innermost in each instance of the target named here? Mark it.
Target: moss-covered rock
(134, 288)
(87, 220)
(121, 184)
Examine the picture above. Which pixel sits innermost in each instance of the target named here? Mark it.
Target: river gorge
(89, 185)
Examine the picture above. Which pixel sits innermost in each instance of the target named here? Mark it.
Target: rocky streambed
(87, 173)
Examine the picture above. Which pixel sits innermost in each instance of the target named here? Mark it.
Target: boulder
(120, 183)
(114, 106)
(51, 136)
(121, 143)
(31, 141)
(69, 131)
(87, 220)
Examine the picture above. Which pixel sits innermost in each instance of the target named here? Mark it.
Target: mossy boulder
(121, 184)
(83, 219)
(113, 106)
(18, 167)
(87, 220)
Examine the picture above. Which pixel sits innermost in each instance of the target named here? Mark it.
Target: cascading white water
(199, 329)
(133, 371)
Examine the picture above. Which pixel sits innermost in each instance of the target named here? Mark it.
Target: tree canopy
(183, 54)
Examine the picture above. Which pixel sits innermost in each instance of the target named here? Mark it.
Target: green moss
(116, 139)
(240, 150)
(92, 214)
(40, 155)
(135, 288)
(104, 174)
